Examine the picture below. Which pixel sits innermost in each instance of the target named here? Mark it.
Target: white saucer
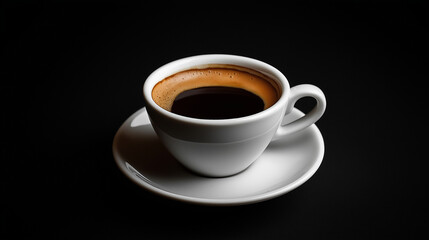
(285, 165)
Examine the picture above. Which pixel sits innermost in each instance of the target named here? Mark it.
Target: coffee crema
(222, 76)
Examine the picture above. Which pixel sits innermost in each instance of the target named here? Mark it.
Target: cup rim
(207, 59)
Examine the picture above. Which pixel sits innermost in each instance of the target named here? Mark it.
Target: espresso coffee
(216, 92)
(217, 103)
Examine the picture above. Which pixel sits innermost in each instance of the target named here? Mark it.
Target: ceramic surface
(284, 165)
(224, 147)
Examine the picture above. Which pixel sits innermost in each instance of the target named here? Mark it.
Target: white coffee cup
(220, 148)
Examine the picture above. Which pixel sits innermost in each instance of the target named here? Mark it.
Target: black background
(72, 72)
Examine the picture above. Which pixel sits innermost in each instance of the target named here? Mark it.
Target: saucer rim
(151, 186)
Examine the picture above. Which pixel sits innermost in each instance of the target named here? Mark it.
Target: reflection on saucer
(141, 119)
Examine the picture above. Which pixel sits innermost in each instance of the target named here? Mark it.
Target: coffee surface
(217, 103)
(166, 91)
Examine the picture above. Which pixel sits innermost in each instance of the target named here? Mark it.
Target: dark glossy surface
(217, 103)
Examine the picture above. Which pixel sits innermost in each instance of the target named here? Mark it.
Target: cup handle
(297, 92)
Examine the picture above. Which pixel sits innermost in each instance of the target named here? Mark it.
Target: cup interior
(210, 61)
